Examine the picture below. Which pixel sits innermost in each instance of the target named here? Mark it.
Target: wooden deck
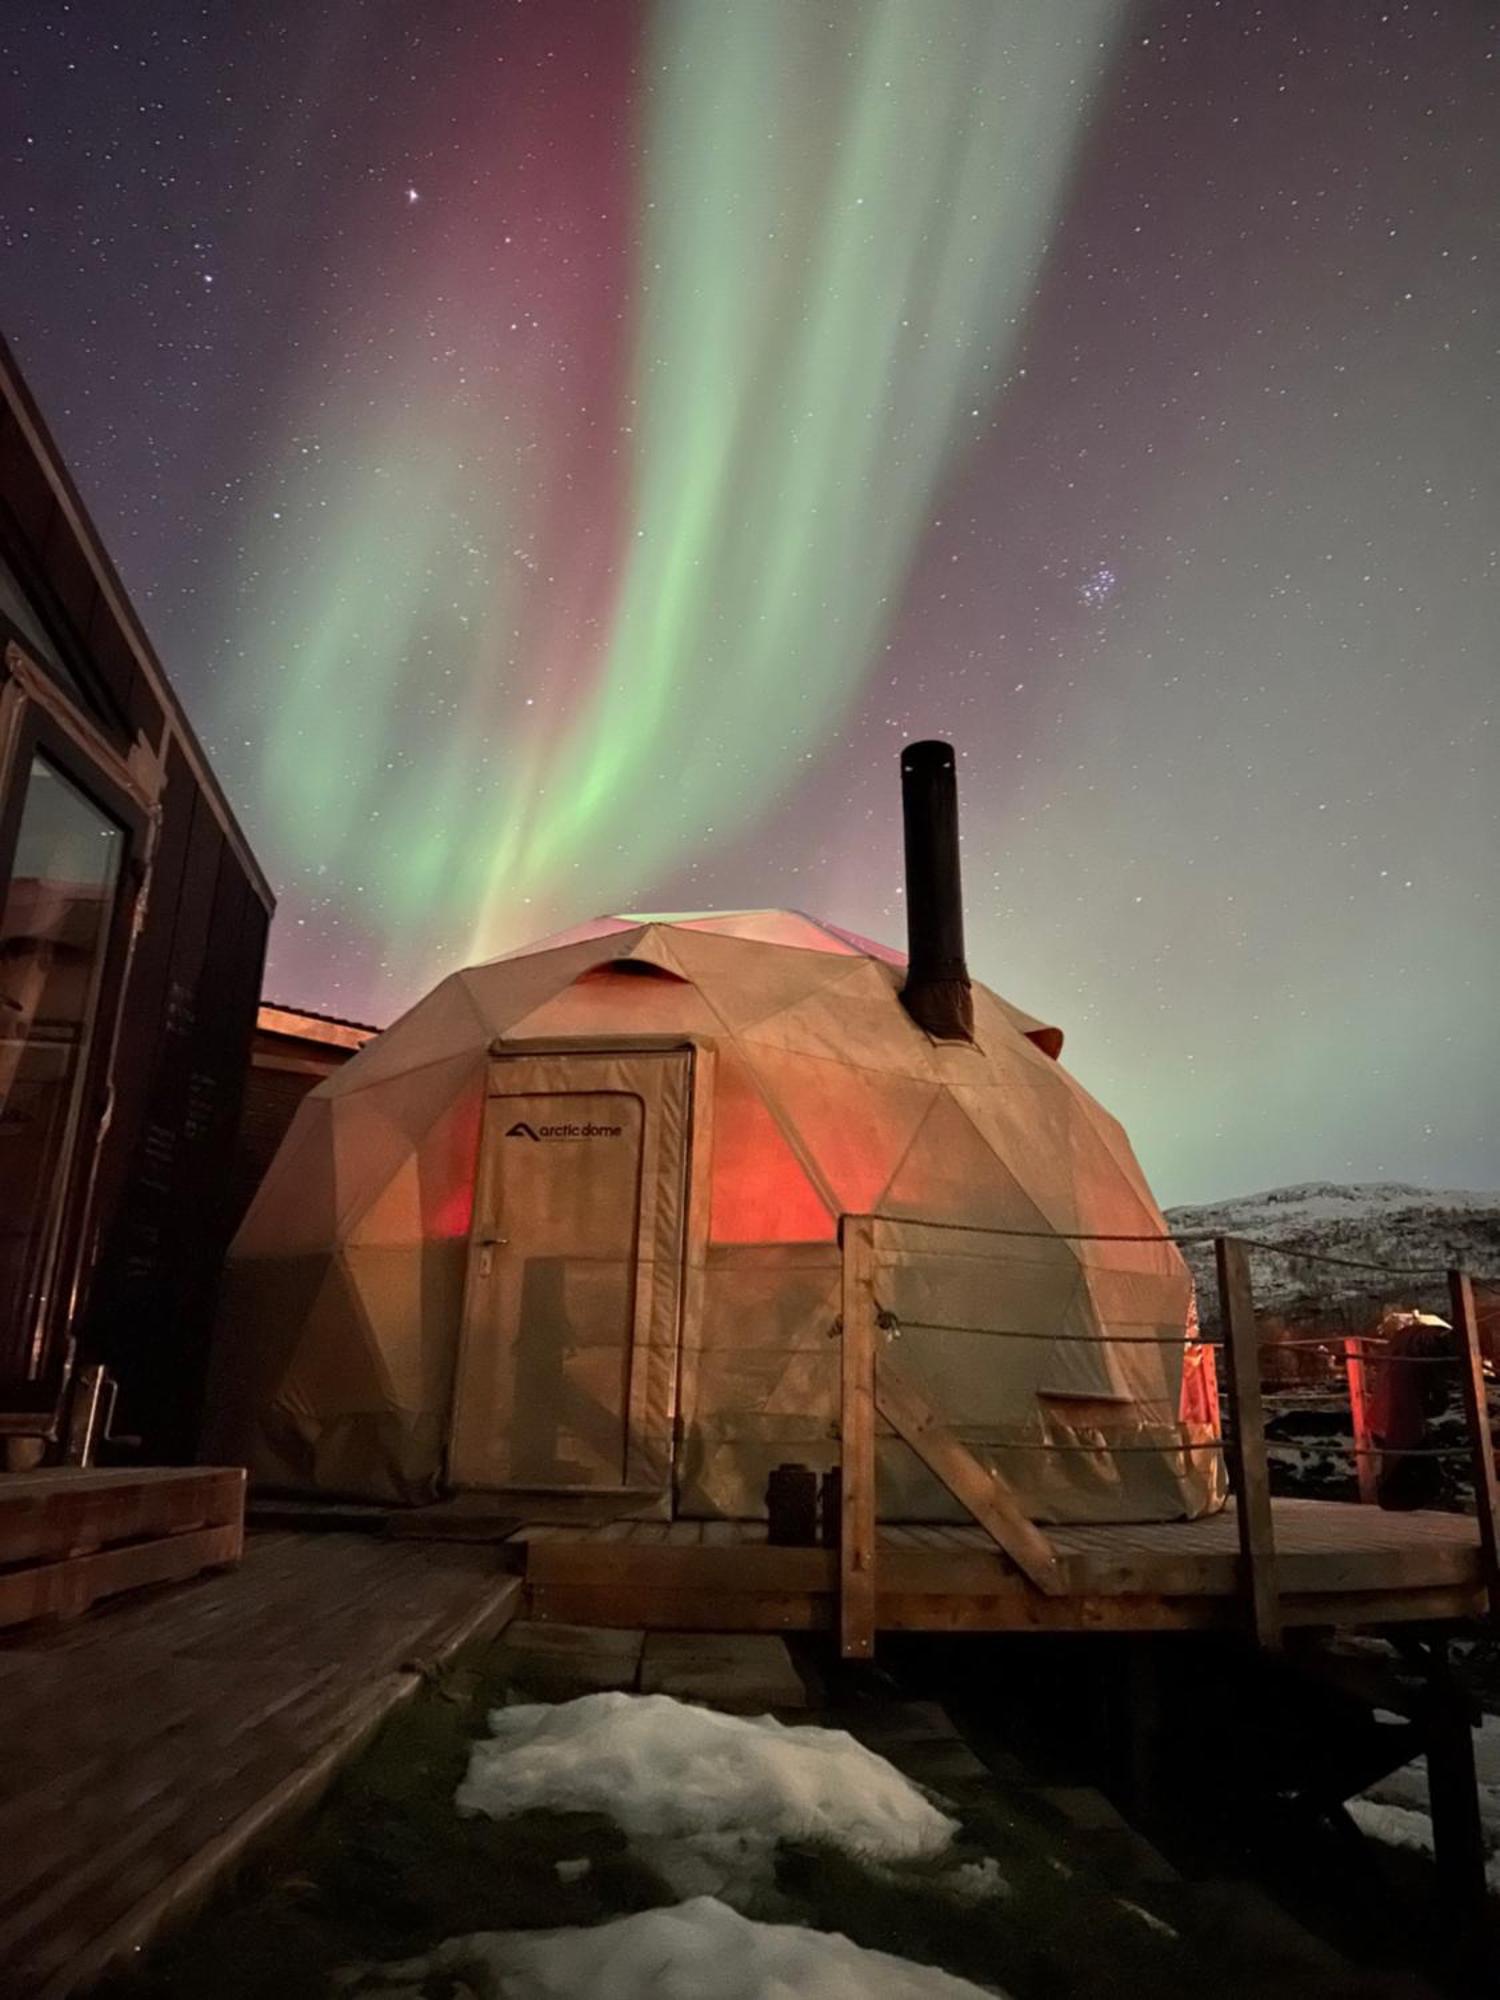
(1340, 1566)
(144, 1748)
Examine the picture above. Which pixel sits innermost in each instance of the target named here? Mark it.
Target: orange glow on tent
(760, 1192)
(450, 1162)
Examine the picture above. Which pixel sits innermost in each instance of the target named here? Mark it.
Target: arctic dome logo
(521, 1130)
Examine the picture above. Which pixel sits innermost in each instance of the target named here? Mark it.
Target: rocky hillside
(1383, 1223)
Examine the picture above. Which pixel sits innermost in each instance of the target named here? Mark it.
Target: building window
(55, 929)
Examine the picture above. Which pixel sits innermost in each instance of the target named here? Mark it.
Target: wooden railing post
(1477, 1417)
(857, 1441)
(1365, 1468)
(1252, 1480)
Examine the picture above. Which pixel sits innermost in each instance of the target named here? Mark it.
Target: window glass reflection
(54, 930)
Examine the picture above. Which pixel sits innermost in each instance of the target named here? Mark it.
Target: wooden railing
(873, 1386)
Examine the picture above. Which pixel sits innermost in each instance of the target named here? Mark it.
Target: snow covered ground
(697, 1950)
(1396, 1810)
(704, 1797)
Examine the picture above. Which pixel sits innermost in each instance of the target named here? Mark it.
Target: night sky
(561, 450)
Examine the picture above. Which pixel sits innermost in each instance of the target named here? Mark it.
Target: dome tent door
(567, 1363)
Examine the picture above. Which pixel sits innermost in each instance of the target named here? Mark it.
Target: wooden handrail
(1365, 1468)
(1481, 1441)
(1247, 1443)
(857, 1441)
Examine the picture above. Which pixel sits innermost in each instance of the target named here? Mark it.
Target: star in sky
(1099, 587)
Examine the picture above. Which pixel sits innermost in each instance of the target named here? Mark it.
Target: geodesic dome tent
(571, 1225)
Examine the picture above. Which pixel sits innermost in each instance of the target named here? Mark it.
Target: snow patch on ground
(699, 1950)
(1396, 1810)
(705, 1798)
(978, 1881)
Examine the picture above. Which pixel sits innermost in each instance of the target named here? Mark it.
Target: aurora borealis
(563, 450)
(675, 555)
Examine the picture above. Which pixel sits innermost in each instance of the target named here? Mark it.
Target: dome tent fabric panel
(445, 1024)
(761, 1191)
(294, 1208)
(431, 1197)
(783, 927)
(819, 1096)
(506, 990)
(590, 1006)
(376, 1131)
(760, 1377)
(745, 983)
(853, 1138)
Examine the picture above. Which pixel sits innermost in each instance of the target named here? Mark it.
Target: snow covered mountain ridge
(1386, 1223)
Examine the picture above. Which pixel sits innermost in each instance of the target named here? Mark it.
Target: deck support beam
(1458, 1850)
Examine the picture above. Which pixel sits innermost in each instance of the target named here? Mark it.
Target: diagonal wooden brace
(987, 1495)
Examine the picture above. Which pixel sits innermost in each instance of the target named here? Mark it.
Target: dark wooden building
(133, 924)
(292, 1052)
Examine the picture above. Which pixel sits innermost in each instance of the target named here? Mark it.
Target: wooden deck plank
(250, 1688)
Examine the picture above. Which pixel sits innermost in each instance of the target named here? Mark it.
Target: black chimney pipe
(937, 993)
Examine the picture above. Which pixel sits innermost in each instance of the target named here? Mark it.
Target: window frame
(36, 719)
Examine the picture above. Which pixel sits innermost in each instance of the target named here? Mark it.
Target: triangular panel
(760, 1191)
(505, 991)
(949, 1174)
(608, 1003)
(295, 1208)
(445, 1024)
(855, 1128)
(336, 1369)
(1027, 1121)
(856, 1020)
(866, 947)
(744, 982)
(375, 1132)
(788, 928)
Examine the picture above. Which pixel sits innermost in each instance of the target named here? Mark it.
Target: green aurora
(839, 224)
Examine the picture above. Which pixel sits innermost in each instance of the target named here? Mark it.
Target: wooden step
(71, 1535)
